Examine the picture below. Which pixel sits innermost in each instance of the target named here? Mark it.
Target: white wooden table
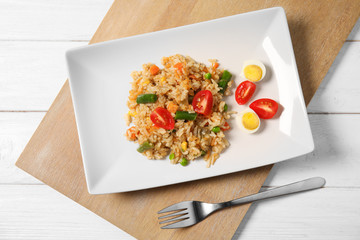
(33, 38)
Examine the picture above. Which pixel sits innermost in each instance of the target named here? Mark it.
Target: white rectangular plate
(100, 83)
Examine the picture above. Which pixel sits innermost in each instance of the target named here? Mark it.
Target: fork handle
(308, 184)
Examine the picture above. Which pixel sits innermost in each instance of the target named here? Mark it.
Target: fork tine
(173, 214)
(173, 207)
(180, 224)
(182, 217)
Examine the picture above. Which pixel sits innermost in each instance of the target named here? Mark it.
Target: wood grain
(335, 96)
(355, 33)
(318, 28)
(53, 154)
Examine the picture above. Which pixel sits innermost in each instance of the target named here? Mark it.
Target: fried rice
(174, 87)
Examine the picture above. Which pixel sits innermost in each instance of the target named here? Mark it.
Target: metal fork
(188, 213)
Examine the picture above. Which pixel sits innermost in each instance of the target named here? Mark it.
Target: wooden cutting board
(318, 30)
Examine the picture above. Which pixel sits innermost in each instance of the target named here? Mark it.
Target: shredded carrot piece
(213, 141)
(172, 107)
(131, 133)
(179, 66)
(216, 65)
(208, 154)
(226, 127)
(186, 84)
(154, 127)
(154, 69)
(177, 76)
(191, 76)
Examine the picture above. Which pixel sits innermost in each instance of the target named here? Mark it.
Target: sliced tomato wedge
(265, 108)
(203, 102)
(244, 92)
(162, 118)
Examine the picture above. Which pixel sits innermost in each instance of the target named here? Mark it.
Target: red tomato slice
(203, 102)
(265, 108)
(162, 118)
(244, 92)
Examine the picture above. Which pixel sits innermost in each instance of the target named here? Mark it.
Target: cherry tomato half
(265, 108)
(203, 102)
(244, 92)
(162, 118)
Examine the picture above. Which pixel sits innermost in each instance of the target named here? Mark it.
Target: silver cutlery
(188, 213)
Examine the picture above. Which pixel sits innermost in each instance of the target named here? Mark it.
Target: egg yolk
(250, 121)
(253, 73)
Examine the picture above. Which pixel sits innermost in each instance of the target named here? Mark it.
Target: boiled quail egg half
(253, 70)
(248, 121)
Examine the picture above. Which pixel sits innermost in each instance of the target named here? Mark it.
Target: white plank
(32, 73)
(336, 154)
(324, 214)
(51, 19)
(355, 33)
(39, 212)
(15, 131)
(59, 20)
(339, 92)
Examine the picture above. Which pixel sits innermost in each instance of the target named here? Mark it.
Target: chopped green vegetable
(203, 153)
(225, 79)
(171, 156)
(145, 146)
(184, 162)
(226, 75)
(222, 84)
(216, 129)
(225, 107)
(185, 115)
(146, 98)
(208, 76)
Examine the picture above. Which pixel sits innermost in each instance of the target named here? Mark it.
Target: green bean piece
(146, 98)
(184, 162)
(216, 129)
(185, 115)
(203, 153)
(208, 76)
(225, 79)
(226, 75)
(223, 84)
(225, 107)
(171, 156)
(145, 146)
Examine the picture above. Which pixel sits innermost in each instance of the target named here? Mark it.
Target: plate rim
(92, 189)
